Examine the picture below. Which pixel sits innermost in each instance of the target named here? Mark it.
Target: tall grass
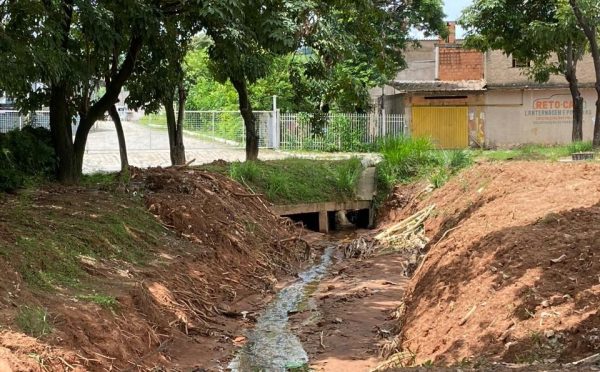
(346, 176)
(243, 172)
(585, 146)
(405, 159)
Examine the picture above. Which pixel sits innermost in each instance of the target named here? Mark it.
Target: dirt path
(351, 308)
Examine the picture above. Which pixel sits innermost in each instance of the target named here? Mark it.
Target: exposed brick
(456, 63)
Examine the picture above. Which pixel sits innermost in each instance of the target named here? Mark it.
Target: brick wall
(456, 63)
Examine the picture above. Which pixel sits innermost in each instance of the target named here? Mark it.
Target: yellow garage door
(447, 127)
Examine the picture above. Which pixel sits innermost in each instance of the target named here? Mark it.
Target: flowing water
(271, 345)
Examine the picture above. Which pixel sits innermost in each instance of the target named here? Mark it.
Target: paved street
(149, 147)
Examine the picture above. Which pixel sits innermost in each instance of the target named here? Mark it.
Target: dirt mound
(512, 272)
(178, 300)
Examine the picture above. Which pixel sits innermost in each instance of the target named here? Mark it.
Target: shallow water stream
(271, 345)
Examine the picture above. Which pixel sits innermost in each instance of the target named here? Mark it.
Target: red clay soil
(348, 319)
(513, 268)
(220, 255)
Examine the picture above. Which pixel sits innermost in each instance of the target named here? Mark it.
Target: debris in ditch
(406, 236)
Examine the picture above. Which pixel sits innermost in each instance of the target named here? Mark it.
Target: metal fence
(226, 127)
(337, 132)
(211, 129)
(11, 119)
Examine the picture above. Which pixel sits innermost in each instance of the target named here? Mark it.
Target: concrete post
(275, 125)
(323, 222)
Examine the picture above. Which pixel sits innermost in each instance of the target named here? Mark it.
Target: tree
(60, 51)
(541, 32)
(357, 45)
(347, 38)
(587, 14)
(243, 50)
(159, 81)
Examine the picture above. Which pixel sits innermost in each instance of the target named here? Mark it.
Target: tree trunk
(62, 138)
(108, 99)
(591, 34)
(252, 137)
(571, 76)
(114, 115)
(175, 130)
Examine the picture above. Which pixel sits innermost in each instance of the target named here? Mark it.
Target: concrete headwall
(515, 117)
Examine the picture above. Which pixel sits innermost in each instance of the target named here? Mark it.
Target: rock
(549, 333)
(545, 303)
(330, 287)
(338, 320)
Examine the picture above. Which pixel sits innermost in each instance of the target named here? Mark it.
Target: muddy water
(271, 345)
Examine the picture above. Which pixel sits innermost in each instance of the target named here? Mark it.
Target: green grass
(33, 321)
(407, 159)
(106, 302)
(291, 181)
(534, 152)
(47, 239)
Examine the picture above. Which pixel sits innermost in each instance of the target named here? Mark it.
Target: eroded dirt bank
(144, 295)
(513, 268)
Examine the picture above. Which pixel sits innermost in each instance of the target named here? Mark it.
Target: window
(520, 63)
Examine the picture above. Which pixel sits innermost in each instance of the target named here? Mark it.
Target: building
(462, 98)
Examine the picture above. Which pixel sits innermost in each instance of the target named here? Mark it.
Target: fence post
(213, 124)
(20, 121)
(383, 123)
(275, 125)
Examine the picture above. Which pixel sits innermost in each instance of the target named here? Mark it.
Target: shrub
(24, 154)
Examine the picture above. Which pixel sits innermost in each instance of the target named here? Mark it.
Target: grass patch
(33, 321)
(535, 152)
(291, 181)
(406, 159)
(106, 302)
(48, 234)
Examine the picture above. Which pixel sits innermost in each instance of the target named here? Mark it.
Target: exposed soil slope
(142, 295)
(513, 269)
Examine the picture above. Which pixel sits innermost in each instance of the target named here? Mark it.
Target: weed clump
(34, 321)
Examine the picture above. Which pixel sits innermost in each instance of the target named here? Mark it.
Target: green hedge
(25, 154)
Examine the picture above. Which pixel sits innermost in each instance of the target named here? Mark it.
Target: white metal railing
(287, 131)
(221, 126)
(337, 131)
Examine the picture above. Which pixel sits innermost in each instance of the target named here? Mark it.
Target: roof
(440, 86)
(534, 85)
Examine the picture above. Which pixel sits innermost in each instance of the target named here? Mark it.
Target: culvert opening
(336, 220)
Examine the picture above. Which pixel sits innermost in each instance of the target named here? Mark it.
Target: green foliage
(293, 181)
(405, 159)
(580, 147)
(347, 175)
(106, 302)
(25, 154)
(243, 172)
(536, 31)
(34, 321)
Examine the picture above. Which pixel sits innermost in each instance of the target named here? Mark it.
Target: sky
(453, 9)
